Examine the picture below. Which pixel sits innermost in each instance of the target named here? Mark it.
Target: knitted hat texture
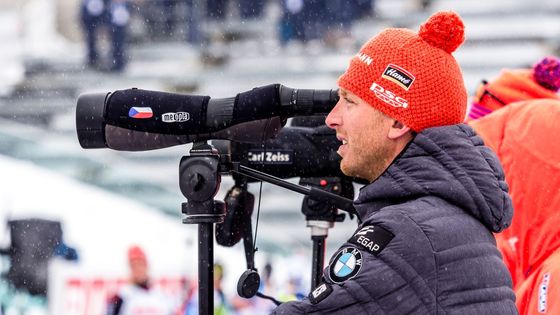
(547, 73)
(412, 77)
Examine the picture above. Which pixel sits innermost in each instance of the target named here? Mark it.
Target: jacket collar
(451, 163)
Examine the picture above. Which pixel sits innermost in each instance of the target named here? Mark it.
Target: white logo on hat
(365, 58)
(388, 96)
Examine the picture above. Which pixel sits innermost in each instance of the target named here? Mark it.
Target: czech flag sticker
(140, 112)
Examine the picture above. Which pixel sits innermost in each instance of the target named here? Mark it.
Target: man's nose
(333, 118)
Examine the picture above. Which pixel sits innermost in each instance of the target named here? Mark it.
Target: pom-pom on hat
(547, 73)
(412, 77)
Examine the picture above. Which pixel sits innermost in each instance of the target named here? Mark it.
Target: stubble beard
(366, 164)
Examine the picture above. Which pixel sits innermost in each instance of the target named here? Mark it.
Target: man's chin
(353, 171)
(347, 169)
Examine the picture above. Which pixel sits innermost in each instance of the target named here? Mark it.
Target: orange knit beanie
(412, 77)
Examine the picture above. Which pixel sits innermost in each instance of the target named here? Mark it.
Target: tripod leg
(318, 259)
(205, 268)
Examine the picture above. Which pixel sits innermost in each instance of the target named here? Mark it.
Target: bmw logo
(346, 264)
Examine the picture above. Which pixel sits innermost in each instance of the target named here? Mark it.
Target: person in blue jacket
(111, 15)
(93, 14)
(436, 193)
(119, 12)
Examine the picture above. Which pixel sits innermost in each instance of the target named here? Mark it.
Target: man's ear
(397, 130)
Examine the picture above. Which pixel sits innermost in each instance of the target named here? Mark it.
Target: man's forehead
(347, 94)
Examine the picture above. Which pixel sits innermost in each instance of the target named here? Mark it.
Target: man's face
(366, 150)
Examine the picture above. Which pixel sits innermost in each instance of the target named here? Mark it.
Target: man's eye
(349, 101)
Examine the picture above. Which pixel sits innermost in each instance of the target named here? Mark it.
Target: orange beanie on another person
(412, 77)
(136, 253)
(542, 81)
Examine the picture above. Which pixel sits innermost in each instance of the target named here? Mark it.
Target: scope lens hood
(90, 121)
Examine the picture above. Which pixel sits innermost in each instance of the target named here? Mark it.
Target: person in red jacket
(523, 134)
(138, 297)
(541, 81)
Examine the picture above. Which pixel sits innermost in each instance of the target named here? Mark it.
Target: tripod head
(199, 181)
(317, 212)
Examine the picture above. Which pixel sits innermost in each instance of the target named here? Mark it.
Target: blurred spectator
(267, 285)
(320, 19)
(193, 16)
(138, 297)
(542, 81)
(168, 8)
(113, 15)
(258, 305)
(364, 8)
(248, 9)
(222, 305)
(159, 17)
(523, 134)
(216, 9)
(425, 4)
(342, 13)
(93, 14)
(315, 19)
(291, 23)
(340, 16)
(34, 242)
(251, 9)
(298, 279)
(119, 19)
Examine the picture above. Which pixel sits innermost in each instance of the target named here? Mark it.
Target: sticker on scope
(175, 117)
(140, 112)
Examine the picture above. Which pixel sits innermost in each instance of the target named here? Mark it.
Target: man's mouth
(343, 147)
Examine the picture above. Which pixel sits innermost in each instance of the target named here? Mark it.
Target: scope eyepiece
(90, 121)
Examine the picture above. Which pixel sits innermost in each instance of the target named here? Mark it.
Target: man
(138, 297)
(436, 193)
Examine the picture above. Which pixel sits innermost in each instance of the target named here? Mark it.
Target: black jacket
(425, 245)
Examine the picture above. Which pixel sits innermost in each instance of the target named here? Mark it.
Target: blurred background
(67, 216)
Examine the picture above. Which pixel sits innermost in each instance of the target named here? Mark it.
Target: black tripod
(321, 216)
(199, 180)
